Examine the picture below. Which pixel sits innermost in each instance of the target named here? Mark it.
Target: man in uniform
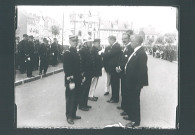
(113, 57)
(136, 76)
(21, 53)
(54, 52)
(97, 68)
(87, 65)
(73, 79)
(127, 51)
(44, 56)
(29, 52)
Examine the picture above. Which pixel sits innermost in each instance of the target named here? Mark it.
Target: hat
(96, 40)
(31, 36)
(25, 35)
(73, 37)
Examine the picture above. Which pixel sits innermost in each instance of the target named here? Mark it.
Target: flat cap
(96, 40)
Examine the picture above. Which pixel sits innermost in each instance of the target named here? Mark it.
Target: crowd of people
(33, 55)
(166, 52)
(126, 63)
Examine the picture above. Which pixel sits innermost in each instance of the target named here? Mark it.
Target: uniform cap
(96, 40)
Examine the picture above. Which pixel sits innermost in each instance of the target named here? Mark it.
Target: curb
(27, 80)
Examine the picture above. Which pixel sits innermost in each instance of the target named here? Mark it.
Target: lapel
(136, 54)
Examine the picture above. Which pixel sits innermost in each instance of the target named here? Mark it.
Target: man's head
(130, 32)
(138, 40)
(30, 38)
(73, 40)
(25, 36)
(55, 40)
(125, 38)
(45, 40)
(111, 40)
(96, 43)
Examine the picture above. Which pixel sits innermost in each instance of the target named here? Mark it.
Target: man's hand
(69, 78)
(118, 70)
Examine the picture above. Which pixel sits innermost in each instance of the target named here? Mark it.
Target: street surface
(41, 103)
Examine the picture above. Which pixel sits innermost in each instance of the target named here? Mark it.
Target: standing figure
(36, 55)
(29, 53)
(105, 64)
(54, 52)
(97, 68)
(44, 56)
(127, 51)
(87, 65)
(113, 57)
(21, 54)
(73, 79)
(136, 76)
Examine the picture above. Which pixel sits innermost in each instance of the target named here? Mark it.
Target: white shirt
(126, 46)
(135, 50)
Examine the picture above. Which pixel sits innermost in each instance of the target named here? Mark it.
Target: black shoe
(88, 106)
(123, 113)
(84, 108)
(70, 121)
(106, 93)
(132, 124)
(92, 99)
(77, 117)
(126, 118)
(119, 107)
(95, 97)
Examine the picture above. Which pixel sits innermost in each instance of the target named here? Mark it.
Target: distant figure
(44, 57)
(29, 56)
(54, 52)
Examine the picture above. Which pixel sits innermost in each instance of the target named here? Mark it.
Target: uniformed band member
(127, 51)
(22, 54)
(73, 79)
(29, 52)
(97, 68)
(87, 66)
(136, 76)
(44, 56)
(54, 52)
(113, 58)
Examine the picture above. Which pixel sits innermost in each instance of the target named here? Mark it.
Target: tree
(170, 37)
(55, 30)
(160, 40)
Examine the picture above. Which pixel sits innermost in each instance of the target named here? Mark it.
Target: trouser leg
(93, 86)
(108, 86)
(115, 87)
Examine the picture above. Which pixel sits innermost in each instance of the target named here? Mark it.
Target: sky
(162, 18)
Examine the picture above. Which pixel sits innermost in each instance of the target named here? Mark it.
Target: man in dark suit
(54, 52)
(29, 53)
(73, 79)
(44, 56)
(113, 57)
(22, 54)
(136, 75)
(87, 66)
(127, 51)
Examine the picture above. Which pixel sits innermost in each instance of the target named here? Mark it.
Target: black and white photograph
(96, 67)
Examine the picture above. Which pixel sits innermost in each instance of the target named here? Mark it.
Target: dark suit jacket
(105, 60)
(136, 70)
(124, 57)
(113, 57)
(71, 65)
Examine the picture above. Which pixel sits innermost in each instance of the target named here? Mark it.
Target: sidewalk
(22, 78)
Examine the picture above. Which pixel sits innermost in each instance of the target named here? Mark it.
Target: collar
(137, 48)
(114, 43)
